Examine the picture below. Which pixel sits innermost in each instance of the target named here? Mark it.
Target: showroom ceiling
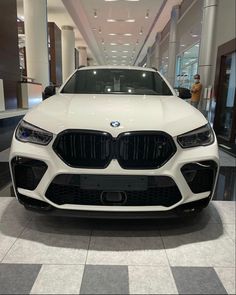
(118, 32)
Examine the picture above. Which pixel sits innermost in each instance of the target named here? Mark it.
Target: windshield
(116, 81)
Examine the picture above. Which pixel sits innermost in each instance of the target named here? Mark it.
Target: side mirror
(184, 93)
(49, 91)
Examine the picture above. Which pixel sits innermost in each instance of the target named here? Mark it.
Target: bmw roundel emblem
(115, 124)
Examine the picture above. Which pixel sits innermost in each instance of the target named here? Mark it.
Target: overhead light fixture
(125, 51)
(114, 56)
(113, 44)
(94, 29)
(114, 51)
(141, 32)
(112, 34)
(112, 20)
(197, 45)
(182, 45)
(127, 34)
(95, 13)
(131, 20)
(103, 42)
(126, 44)
(147, 14)
(100, 30)
(124, 56)
(194, 35)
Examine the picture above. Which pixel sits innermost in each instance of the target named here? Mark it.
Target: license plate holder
(114, 182)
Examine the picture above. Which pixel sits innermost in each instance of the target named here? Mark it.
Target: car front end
(109, 154)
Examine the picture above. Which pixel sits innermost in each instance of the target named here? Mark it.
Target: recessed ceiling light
(100, 30)
(126, 44)
(112, 20)
(95, 13)
(197, 45)
(113, 44)
(112, 34)
(194, 35)
(182, 45)
(114, 56)
(141, 32)
(130, 20)
(147, 14)
(127, 34)
(124, 56)
(114, 51)
(125, 51)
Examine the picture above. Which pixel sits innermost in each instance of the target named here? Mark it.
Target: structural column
(157, 57)
(207, 41)
(36, 40)
(148, 62)
(82, 56)
(68, 51)
(172, 45)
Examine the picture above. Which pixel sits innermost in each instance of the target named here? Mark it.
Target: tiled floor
(42, 254)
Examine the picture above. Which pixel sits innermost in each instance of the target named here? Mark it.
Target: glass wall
(187, 67)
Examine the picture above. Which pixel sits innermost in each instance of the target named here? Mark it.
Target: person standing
(196, 91)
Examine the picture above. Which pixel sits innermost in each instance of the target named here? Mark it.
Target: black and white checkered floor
(44, 254)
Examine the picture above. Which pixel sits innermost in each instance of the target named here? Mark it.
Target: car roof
(116, 67)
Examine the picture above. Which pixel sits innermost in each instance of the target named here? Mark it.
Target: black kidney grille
(133, 150)
(80, 149)
(138, 151)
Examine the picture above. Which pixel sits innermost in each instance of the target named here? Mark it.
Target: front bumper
(173, 169)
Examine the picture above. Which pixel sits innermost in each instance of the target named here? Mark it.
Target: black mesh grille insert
(148, 150)
(157, 190)
(200, 176)
(27, 172)
(84, 149)
(133, 150)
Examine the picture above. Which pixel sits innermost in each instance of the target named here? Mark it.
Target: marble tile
(230, 229)
(105, 279)
(126, 248)
(151, 280)
(12, 210)
(228, 278)
(52, 245)
(225, 211)
(17, 279)
(4, 155)
(58, 279)
(197, 280)
(9, 232)
(208, 246)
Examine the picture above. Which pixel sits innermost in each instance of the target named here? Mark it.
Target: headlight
(26, 132)
(198, 137)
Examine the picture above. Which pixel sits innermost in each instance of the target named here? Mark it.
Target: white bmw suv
(115, 141)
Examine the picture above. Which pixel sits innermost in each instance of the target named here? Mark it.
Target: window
(117, 81)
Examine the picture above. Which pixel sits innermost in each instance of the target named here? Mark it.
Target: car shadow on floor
(55, 231)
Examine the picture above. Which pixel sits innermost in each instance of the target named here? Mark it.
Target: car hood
(134, 112)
